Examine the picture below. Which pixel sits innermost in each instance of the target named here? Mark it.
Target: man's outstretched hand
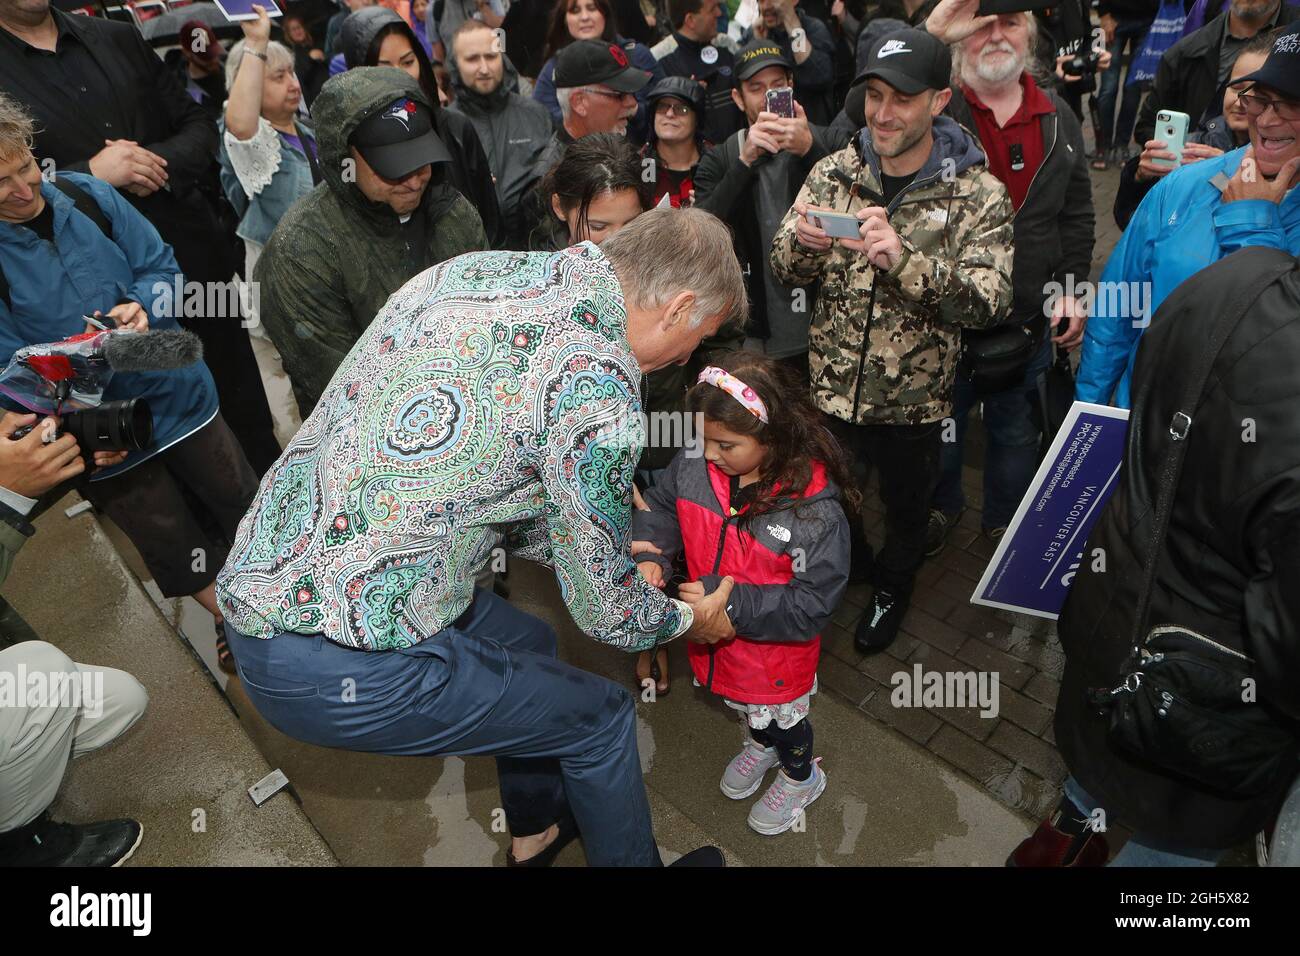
(711, 622)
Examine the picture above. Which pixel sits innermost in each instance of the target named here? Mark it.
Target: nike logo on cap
(891, 47)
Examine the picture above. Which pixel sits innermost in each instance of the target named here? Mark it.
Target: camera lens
(113, 426)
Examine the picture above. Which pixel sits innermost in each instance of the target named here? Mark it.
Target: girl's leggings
(793, 746)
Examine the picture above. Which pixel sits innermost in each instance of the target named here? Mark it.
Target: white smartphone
(1171, 127)
(839, 225)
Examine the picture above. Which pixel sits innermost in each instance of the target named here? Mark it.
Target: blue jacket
(52, 286)
(260, 214)
(1180, 228)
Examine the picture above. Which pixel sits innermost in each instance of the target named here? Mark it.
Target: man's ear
(740, 103)
(677, 313)
(940, 101)
(578, 102)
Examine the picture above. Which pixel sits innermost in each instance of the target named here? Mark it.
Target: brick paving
(1012, 754)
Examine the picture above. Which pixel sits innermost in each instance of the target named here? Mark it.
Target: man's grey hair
(564, 97)
(17, 129)
(666, 251)
(1033, 65)
(277, 55)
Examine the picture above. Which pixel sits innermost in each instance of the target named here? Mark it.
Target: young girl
(763, 506)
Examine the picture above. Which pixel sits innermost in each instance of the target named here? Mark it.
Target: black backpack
(86, 205)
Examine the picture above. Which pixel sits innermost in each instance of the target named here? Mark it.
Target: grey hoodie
(514, 131)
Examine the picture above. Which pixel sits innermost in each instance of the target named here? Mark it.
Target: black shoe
(880, 622)
(703, 856)
(46, 843)
(936, 530)
(567, 833)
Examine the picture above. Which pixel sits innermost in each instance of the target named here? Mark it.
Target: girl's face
(730, 453)
(608, 213)
(1234, 111)
(584, 20)
(395, 50)
(419, 8)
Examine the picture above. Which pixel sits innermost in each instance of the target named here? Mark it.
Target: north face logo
(778, 532)
(891, 47)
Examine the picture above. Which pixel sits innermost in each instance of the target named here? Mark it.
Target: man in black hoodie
(363, 36)
(513, 129)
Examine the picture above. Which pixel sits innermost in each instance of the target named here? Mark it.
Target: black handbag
(1185, 703)
(1055, 395)
(996, 358)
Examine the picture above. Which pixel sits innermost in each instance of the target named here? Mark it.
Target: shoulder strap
(1180, 426)
(86, 205)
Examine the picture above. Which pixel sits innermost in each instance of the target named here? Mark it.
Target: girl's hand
(651, 571)
(692, 592)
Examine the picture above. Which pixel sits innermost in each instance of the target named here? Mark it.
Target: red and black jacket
(790, 567)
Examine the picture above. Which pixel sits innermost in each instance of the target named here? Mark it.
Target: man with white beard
(1034, 145)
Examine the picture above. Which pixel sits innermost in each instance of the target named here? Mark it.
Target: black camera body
(113, 426)
(1082, 64)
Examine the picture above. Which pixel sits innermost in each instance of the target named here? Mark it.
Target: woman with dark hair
(591, 193)
(376, 36)
(675, 144)
(592, 20)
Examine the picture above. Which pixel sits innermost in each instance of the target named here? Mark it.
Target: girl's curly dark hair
(794, 437)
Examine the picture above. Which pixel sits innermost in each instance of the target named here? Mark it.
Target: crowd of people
(483, 236)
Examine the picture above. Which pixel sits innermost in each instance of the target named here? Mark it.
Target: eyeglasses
(1256, 105)
(668, 106)
(613, 93)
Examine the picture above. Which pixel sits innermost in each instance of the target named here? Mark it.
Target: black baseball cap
(910, 61)
(758, 55)
(597, 61)
(399, 138)
(683, 88)
(994, 7)
(1281, 71)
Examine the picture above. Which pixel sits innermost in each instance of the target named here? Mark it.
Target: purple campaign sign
(1042, 548)
(236, 10)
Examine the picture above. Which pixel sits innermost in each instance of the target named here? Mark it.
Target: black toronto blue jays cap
(399, 139)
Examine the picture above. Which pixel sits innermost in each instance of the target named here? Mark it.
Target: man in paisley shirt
(495, 394)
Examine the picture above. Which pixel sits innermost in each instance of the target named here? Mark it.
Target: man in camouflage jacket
(935, 255)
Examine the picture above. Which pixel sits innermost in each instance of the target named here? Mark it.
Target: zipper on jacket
(1046, 156)
(862, 355)
(717, 563)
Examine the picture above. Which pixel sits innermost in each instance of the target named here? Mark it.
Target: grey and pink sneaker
(785, 800)
(744, 775)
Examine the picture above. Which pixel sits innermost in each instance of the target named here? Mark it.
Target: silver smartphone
(838, 225)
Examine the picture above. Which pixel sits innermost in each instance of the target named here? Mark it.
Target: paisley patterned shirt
(494, 395)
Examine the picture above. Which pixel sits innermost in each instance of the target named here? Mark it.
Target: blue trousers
(1130, 34)
(1141, 850)
(1012, 454)
(489, 684)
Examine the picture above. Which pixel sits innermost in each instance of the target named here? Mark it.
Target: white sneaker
(744, 775)
(785, 800)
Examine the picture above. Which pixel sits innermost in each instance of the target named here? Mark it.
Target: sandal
(658, 675)
(225, 659)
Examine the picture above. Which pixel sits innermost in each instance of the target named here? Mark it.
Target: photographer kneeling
(40, 734)
(74, 247)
